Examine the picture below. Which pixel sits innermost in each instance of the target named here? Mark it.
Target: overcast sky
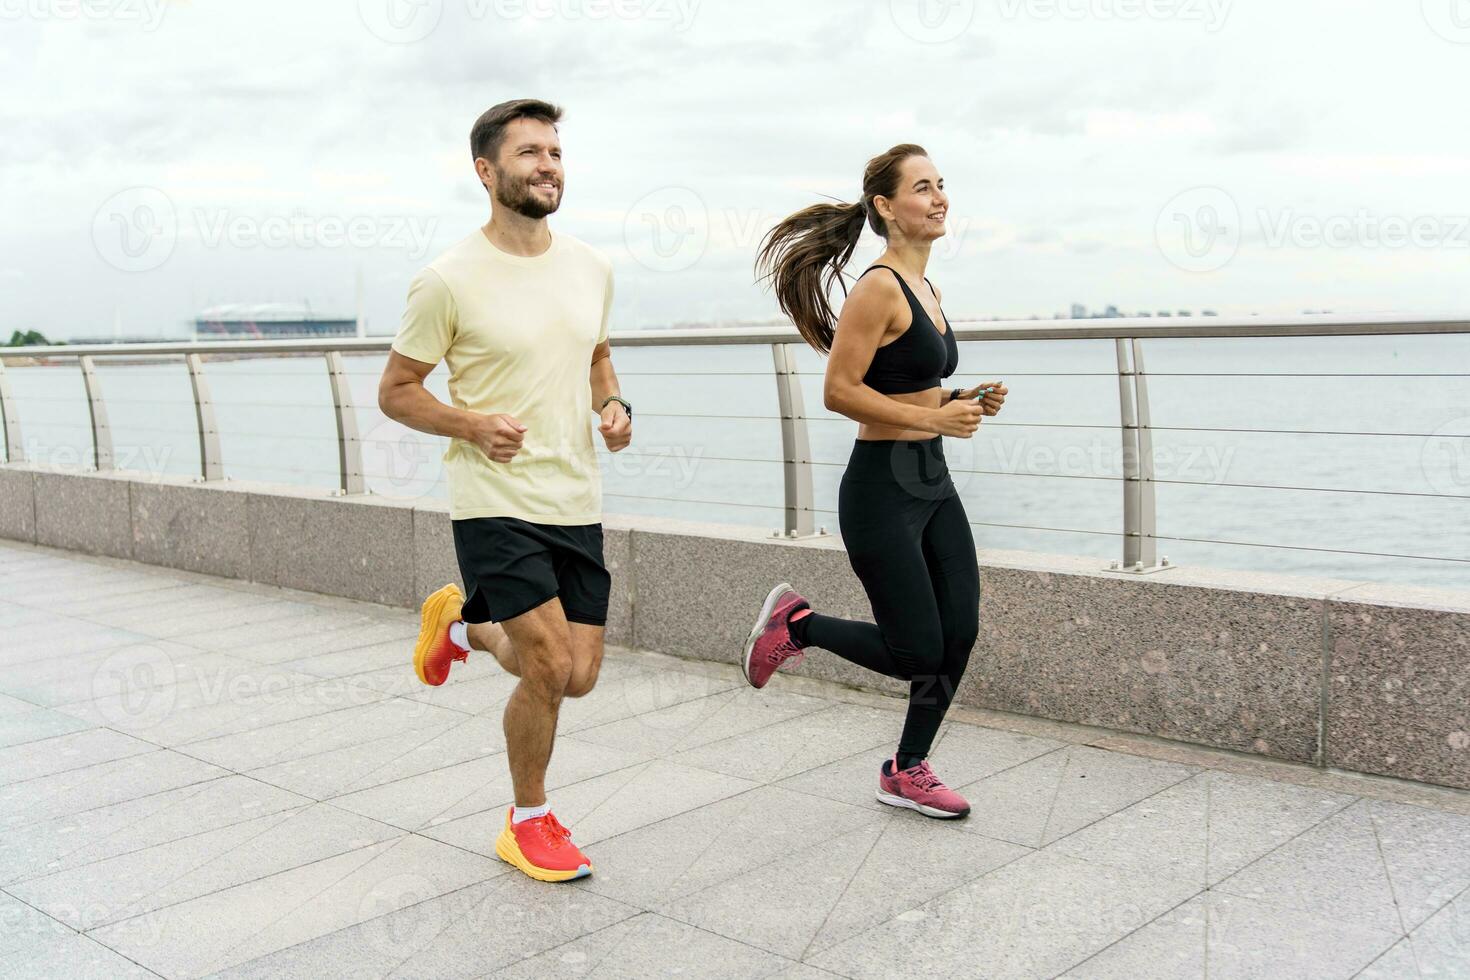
(1249, 156)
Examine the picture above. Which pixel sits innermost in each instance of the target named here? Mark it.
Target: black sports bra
(919, 358)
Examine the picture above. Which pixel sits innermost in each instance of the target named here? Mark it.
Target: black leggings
(909, 542)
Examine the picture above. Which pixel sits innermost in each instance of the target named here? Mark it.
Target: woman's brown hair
(804, 255)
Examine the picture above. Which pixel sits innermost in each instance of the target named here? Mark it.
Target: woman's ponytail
(804, 255)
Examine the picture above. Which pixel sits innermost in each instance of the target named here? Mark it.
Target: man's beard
(515, 193)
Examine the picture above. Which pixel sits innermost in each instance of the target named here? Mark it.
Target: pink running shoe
(919, 789)
(770, 645)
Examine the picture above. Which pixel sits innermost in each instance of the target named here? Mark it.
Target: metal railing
(1139, 552)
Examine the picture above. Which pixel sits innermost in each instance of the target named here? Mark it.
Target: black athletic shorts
(511, 566)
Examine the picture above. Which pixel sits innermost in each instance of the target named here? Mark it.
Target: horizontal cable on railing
(1032, 527)
(79, 399)
(1268, 486)
(989, 423)
(1284, 374)
(125, 426)
(742, 418)
(335, 474)
(625, 454)
(1330, 551)
(689, 500)
(327, 436)
(695, 374)
(1294, 432)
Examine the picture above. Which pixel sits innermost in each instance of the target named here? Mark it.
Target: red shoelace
(924, 778)
(786, 649)
(552, 831)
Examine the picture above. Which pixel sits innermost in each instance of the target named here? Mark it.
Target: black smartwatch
(620, 400)
(956, 393)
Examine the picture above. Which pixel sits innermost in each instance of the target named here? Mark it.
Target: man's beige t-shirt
(517, 334)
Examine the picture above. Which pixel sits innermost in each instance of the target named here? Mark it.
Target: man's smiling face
(529, 177)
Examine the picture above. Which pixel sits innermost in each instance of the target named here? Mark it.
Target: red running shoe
(770, 645)
(542, 848)
(919, 789)
(435, 652)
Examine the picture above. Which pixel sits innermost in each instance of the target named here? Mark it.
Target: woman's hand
(993, 400)
(959, 418)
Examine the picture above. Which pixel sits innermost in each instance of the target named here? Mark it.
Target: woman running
(901, 518)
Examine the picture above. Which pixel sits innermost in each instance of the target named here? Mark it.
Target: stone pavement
(202, 776)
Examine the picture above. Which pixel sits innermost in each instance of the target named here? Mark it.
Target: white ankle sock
(530, 812)
(459, 635)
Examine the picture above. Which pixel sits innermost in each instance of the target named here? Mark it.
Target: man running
(521, 318)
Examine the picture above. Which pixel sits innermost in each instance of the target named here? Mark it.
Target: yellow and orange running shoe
(542, 848)
(435, 652)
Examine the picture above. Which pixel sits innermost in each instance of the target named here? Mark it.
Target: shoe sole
(927, 811)
(431, 616)
(509, 851)
(767, 607)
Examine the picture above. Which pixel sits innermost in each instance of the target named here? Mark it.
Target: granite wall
(1368, 677)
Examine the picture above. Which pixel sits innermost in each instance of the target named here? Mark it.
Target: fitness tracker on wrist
(621, 401)
(956, 393)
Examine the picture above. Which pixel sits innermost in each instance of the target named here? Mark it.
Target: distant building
(1079, 312)
(122, 339)
(268, 321)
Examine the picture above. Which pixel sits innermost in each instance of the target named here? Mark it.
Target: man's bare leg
(543, 649)
(586, 658)
(492, 638)
(587, 648)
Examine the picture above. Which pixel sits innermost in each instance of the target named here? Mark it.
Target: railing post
(101, 432)
(1147, 514)
(349, 445)
(211, 465)
(796, 452)
(10, 421)
(1128, 426)
(1139, 518)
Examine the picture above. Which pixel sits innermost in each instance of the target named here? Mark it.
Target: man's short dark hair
(488, 133)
